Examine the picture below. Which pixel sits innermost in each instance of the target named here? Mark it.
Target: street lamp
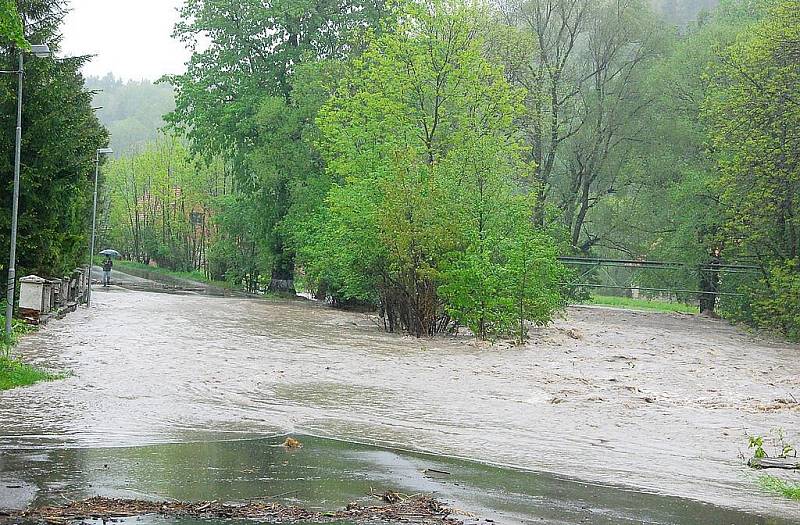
(41, 51)
(101, 151)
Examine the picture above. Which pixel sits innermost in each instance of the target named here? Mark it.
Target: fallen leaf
(292, 443)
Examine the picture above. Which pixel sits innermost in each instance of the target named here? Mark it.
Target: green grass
(14, 373)
(779, 486)
(642, 304)
(19, 328)
(191, 276)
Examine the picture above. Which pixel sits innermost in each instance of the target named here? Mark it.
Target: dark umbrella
(111, 253)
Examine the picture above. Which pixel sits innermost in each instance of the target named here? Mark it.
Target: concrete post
(32, 296)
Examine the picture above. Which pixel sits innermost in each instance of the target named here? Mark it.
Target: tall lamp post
(41, 51)
(101, 151)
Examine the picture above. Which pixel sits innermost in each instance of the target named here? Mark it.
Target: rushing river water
(658, 403)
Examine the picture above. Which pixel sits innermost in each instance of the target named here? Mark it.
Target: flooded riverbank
(658, 403)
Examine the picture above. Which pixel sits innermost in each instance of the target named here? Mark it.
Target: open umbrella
(111, 253)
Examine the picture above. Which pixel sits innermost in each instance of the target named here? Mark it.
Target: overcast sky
(131, 38)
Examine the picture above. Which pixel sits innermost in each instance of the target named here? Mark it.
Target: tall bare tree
(583, 98)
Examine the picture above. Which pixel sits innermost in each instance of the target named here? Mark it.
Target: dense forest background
(433, 159)
(133, 110)
(683, 12)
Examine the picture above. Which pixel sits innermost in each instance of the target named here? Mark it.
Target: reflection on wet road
(660, 403)
(326, 475)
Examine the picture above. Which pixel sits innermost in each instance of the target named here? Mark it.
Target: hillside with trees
(683, 12)
(132, 111)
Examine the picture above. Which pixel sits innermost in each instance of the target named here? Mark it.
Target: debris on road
(782, 463)
(292, 443)
(779, 404)
(416, 510)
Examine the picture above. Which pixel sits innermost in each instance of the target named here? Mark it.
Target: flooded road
(658, 403)
(326, 475)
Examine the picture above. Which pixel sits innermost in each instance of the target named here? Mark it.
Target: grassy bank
(196, 275)
(14, 373)
(642, 304)
(779, 486)
(19, 328)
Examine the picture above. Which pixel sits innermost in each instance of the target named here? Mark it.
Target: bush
(775, 303)
(494, 291)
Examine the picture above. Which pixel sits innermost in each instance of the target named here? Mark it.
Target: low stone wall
(42, 298)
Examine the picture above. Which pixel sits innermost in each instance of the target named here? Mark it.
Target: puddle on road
(326, 475)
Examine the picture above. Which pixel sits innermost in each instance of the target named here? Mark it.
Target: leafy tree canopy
(11, 25)
(57, 167)
(426, 216)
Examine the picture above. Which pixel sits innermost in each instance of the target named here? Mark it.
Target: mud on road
(656, 402)
(417, 510)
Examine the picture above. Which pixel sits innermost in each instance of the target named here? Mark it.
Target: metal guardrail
(632, 263)
(671, 290)
(657, 265)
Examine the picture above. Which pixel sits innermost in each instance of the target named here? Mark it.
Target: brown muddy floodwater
(660, 403)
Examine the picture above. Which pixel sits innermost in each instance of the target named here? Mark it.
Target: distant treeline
(132, 111)
(682, 12)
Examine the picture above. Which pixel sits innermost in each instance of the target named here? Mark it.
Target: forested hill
(681, 12)
(132, 111)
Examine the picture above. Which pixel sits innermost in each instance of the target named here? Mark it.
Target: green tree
(671, 208)
(753, 108)
(238, 88)
(427, 166)
(11, 30)
(584, 103)
(234, 253)
(160, 205)
(60, 136)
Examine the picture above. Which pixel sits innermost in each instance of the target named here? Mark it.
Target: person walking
(107, 265)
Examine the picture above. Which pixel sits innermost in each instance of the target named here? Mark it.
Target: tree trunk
(282, 280)
(709, 284)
